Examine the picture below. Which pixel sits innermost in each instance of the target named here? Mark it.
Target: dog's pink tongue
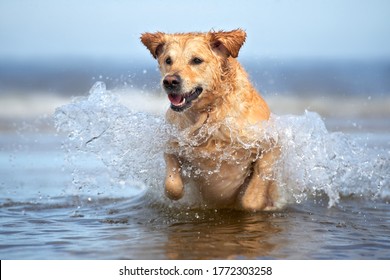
(176, 99)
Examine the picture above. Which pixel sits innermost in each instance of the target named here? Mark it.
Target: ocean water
(85, 182)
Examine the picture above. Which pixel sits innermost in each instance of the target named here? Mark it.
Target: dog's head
(193, 64)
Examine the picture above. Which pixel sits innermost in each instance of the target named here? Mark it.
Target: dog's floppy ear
(154, 42)
(227, 43)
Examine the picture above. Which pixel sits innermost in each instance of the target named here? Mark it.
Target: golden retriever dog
(216, 112)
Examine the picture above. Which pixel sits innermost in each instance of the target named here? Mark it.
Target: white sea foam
(130, 143)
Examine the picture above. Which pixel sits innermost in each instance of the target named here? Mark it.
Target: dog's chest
(218, 172)
(218, 159)
(219, 164)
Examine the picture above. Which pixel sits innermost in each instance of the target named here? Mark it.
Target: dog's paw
(253, 205)
(174, 188)
(257, 203)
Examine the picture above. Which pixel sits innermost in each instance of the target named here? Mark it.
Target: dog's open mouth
(180, 102)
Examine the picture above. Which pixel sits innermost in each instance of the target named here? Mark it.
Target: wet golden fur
(216, 123)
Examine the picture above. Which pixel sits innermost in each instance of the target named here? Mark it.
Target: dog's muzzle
(179, 100)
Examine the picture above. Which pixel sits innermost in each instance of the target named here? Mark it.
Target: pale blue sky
(276, 28)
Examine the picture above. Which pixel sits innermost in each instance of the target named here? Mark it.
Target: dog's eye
(197, 60)
(168, 61)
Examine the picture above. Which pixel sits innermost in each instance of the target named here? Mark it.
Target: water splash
(131, 144)
(128, 143)
(316, 161)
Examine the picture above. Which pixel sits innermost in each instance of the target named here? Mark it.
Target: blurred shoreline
(74, 76)
(340, 113)
(344, 91)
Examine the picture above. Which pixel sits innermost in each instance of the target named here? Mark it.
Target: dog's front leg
(174, 188)
(261, 191)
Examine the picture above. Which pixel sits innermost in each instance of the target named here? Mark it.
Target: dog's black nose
(172, 82)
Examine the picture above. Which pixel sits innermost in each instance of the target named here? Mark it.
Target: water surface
(93, 190)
